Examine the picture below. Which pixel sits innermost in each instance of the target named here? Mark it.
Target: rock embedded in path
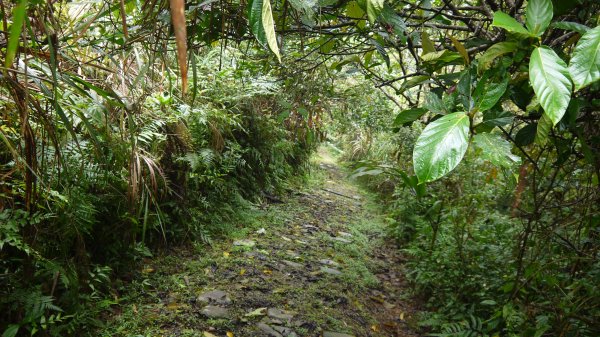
(329, 262)
(215, 297)
(279, 314)
(244, 243)
(330, 271)
(335, 334)
(268, 330)
(213, 311)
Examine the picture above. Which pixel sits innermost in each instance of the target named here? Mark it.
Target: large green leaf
(497, 50)
(269, 27)
(15, 32)
(441, 146)
(374, 8)
(495, 149)
(585, 63)
(409, 116)
(507, 22)
(549, 78)
(255, 20)
(571, 26)
(539, 14)
(426, 43)
(490, 94)
(543, 130)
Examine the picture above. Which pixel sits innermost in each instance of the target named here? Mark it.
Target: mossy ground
(310, 225)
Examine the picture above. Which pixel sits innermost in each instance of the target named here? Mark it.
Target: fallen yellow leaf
(225, 254)
(208, 334)
(229, 334)
(268, 271)
(375, 328)
(401, 316)
(242, 271)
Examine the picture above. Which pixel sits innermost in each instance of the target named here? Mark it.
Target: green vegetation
(142, 137)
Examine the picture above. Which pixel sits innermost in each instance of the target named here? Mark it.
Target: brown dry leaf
(178, 18)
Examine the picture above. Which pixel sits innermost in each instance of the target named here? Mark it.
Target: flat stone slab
(279, 314)
(284, 331)
(268, 330)
(244, 243)
(345, 234)
(335, 334)
(215, 296)
(330, 271)
(329, 262)
(213, 311)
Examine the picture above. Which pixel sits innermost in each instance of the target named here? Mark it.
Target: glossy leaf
(441, 146)
(495, 149)
(15, 32)
(409, 116)
(507, 22)
(491, 95)
(269, 27)
(538, 16)
(549, 78)
(585, 63)
(255, 20)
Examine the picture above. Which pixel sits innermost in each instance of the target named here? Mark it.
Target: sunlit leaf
(584, 66)
(538, 16)
(15, 32)
(509, 23)
(495, 149)
(441, 146)
(549, 78)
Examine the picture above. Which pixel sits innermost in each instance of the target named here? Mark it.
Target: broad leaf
(413, 81)
(492, 53)
(549, 78)
(409, 116)
(585, 63)
(507, 22)
(374, 8)
(491, 94)
(526, 135)
(426, 43)
(493, 118)
(269, 27)
(460, 48)
(15, 32)
(539, 14)
(441, 146)
(571, 26)
(495, 149)
(255, 20)
(543, 130)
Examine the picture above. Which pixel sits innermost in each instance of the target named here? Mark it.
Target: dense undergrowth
(478, 261)
(122, 183)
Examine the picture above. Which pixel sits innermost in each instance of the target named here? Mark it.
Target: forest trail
(315, 264)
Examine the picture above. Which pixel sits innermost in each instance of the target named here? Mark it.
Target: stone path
(316, 265)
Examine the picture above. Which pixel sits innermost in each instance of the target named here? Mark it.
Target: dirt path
(314, 265)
